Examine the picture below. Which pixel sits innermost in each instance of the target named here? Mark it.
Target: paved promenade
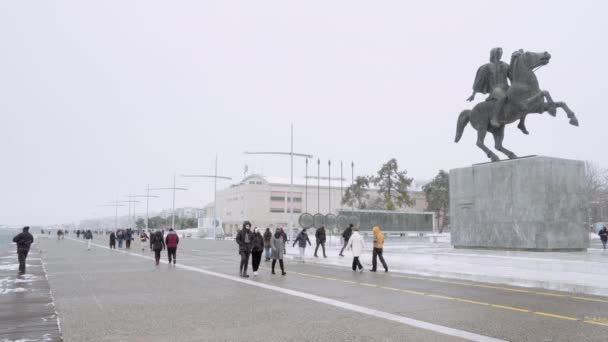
(27, 312)
(104, 295)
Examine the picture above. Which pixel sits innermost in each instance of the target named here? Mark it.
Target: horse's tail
(463, 120)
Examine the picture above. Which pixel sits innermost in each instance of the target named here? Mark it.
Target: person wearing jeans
(267, 238)
(378, 246)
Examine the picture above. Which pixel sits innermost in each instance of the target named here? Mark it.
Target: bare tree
(595, 193)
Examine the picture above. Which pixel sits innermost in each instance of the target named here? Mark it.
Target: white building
(265, 201)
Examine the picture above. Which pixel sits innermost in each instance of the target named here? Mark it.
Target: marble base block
(531, 203)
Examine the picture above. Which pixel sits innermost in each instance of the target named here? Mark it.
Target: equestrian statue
(506, 103)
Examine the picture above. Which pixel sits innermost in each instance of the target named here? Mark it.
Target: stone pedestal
(531, 203)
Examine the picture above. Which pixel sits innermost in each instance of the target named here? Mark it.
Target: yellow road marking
(412, 292)
(509, 308)
(478, 285)
(501, 288)
(550, 294)
(472, 301)
(440, 296)
(389, 288)
(598, 323)
(556, 316)
(589, 299)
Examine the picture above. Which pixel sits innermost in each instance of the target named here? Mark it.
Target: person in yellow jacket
(378, 246)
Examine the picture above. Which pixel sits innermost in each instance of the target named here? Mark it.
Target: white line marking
(336, 303)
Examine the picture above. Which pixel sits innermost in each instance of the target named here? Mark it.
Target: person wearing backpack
(171, 241)
(346, 235)
(158, 245)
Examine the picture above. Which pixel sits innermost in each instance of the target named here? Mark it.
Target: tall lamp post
(174, 188)
(147, 196)
(215, 178)
(291, 154)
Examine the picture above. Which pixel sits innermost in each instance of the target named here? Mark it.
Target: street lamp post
(329, 187)
(173, 200)
(318, 185)
(147, 196)
(215, 178)
(352, 181)
(291, 154)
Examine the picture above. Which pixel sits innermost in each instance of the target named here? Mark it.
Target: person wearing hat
(355, 244)
(23, 240)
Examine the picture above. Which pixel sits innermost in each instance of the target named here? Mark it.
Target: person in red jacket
(171, 241)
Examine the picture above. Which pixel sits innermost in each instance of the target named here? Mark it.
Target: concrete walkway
(27, 312)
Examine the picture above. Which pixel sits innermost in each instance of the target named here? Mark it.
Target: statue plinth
(530, 203)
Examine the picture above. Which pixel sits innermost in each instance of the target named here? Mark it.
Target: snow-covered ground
(580, 272)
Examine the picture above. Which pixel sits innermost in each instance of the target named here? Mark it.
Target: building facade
(265, 201)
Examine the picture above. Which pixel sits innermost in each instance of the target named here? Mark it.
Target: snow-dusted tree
(392, 185)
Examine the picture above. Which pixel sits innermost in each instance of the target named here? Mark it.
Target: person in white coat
(355, 243)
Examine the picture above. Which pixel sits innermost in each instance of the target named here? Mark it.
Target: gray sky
(97, 99)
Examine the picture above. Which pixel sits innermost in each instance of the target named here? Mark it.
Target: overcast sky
(100, 98)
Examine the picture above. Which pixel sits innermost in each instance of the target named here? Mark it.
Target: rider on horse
(491, 78)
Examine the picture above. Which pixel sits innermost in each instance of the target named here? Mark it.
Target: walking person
(88, 235)
(77, 233)
(157, 245)
(23, 240)
(257, 247)
(244, 239)
(277, 245)
(378, 246)
(603, 236)
(355, 243)
(120, 235)
(171, 241)
(143, 240)
(346, 236)
(320, 237)
(267, 238)
(301, 240)
(128, 238)
(112, 240)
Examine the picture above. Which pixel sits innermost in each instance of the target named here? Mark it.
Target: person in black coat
(267, 238)
(244, 239)
(257, 247)
(603, 236)
(158, 244)
(23, 240)
(321, 238)
(346, 235)
(112, 240)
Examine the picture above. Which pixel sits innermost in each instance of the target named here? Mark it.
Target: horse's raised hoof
(574, 122)
(523, 129)
(494, 158)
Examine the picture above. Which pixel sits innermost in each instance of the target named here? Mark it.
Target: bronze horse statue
(524, 97)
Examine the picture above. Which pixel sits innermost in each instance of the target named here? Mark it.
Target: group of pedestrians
(254, 243)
